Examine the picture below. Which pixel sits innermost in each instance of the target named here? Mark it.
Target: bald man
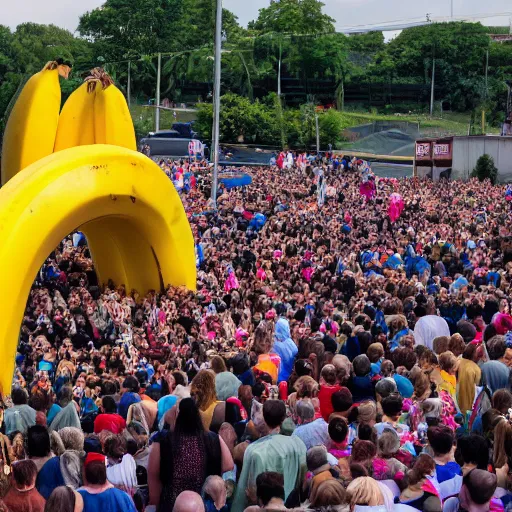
(188, 501)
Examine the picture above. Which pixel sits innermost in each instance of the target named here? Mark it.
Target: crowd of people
(345, 354)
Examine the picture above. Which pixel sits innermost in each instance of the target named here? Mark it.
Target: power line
(279, 36)
(414, 22)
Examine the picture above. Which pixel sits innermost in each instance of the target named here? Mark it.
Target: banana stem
(63, 69)
(91, 82)
(51, 65)
(101, 75)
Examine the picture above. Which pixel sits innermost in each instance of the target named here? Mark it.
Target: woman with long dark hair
(64, 499)
(182, 459)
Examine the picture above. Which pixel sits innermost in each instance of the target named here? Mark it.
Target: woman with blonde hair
(214, 412)
(456, 345)
(468, 377)
(448, 365)
(365, 491)
(202, 390)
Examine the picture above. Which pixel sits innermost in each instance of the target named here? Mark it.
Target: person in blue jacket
(284, 347)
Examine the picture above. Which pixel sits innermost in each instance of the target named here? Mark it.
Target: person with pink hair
(396, 206)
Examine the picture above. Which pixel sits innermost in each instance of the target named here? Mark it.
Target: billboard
(423, 150)
(442, 150)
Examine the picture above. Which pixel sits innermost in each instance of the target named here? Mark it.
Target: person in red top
(109, 419)
(328, 386)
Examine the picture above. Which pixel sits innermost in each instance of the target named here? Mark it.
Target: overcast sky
(348, 13)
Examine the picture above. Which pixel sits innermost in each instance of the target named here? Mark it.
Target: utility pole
(451, 10)
(279, 72)
(129, 86)
(157, 99)
(486, 74)
(279, 103)
(317, 135)
(216, 100)
(432, 88)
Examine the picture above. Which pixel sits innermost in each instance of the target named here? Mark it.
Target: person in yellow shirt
(448, 365)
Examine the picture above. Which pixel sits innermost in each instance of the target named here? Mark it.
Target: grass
(145, 115)
(455, 124)
(450, 123)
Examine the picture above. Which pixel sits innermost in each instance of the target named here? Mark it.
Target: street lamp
(216, 100)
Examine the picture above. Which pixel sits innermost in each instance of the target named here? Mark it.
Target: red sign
(442, 151)
(423, 151)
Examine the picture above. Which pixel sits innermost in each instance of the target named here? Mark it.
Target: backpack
(481, 406)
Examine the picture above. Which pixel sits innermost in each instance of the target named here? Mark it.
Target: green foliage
(33, 45)
(459, 49)
(204, 121)
(260, 123)
(143, 126)
(121, 28)
(27, 50)
(307, 125)
(371, 42)
(294, 17)
(240, 121)
(331, 127)
(296, 33)
(485, 169)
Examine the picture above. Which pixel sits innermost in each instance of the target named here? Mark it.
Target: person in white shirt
(428, 326)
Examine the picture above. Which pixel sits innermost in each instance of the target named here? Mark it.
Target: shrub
(485, 169)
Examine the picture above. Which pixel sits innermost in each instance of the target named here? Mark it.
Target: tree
(331, 126)
(293, 17)
(6, 61)
(254, 122)
(137, 30)
(121, 28)
(485, 169)
(32, 45)
(368, 43)
(459, 49)
(300, 32)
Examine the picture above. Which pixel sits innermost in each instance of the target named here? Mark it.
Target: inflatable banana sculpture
(96, 113)
(30, 131)
(80, 171)
(76, 121)
(110, 104)
(118, 194)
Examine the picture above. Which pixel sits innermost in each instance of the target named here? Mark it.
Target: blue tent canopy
(233, 180)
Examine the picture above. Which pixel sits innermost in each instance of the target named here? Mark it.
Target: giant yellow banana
(120, 191)
(30, 131)
(112, 119)
(106, 242)
(76, 121)
(119, 254)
